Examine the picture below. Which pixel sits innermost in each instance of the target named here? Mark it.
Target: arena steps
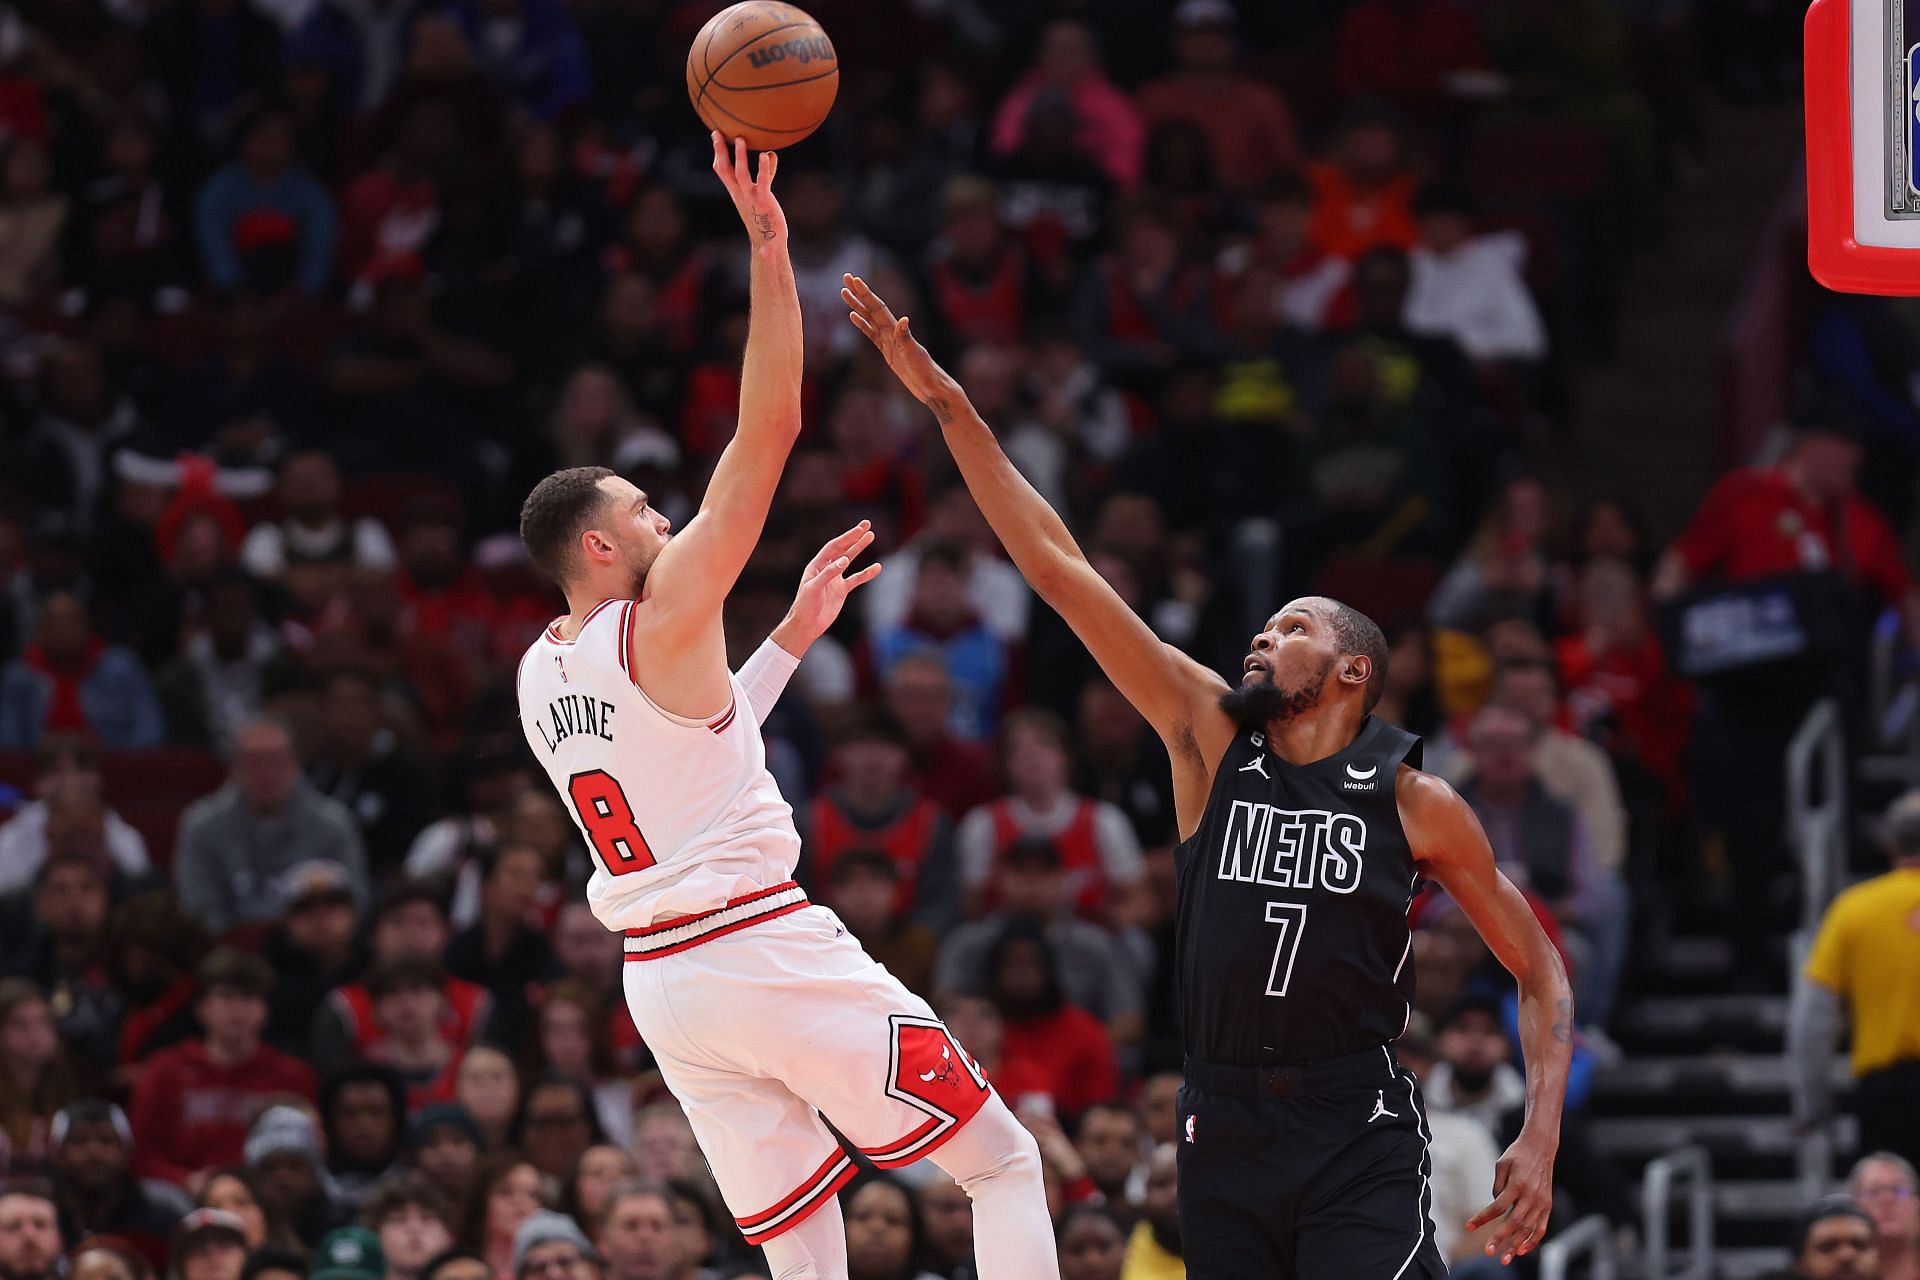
(1704, 1067)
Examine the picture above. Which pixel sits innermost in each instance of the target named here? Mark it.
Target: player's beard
(1259, 703)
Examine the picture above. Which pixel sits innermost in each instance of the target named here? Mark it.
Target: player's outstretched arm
(1177, 695)
(699, 566)
(824, 588)
(1453, 851)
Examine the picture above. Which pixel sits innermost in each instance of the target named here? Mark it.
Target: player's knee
(1009, 1153)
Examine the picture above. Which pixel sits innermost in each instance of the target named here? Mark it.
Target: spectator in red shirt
(873, 807)
(1364, 191)
(1798, 518)
(1614, 667)
(1406, 50)
(1066, 1042)
(194, 1101)
(1802, 515)
(1246, 122)
(952, 772)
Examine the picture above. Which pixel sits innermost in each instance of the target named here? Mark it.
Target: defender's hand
(1522, 1199)
(752, 197)
(824, 589)
(904, 354)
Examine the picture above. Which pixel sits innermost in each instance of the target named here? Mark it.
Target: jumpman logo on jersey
(1256, 765)
(1380, 1107)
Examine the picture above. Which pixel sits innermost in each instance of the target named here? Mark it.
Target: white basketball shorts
(765, 1014)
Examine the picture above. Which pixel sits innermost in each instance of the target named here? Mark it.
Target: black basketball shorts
(1306, 1173)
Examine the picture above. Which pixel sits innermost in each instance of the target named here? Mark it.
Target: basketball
(762, 71)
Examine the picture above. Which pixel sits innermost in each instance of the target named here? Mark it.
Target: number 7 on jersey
(607, 819)
(1292, 919)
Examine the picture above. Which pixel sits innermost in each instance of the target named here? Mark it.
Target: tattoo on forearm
(765, 223)
(942, 409)
(1563, 1021)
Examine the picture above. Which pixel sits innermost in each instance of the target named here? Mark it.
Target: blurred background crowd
(299, 297)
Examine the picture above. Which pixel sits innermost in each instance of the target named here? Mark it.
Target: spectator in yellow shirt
(1153, 1251)
(1865, 963)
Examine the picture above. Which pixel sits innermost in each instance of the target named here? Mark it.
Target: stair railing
(1686, 1169)
(1592, 1237)
(1817, 833)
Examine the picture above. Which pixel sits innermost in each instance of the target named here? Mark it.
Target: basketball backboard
(1863, 145)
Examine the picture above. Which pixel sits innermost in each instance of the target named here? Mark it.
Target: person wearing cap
(1798, 522)
(235, 843)
(1836, 1243)
(1246, 122)
(349, 1253)
(550, 1246)
(94, 1185)
(70, 680)
(314, 948)
(1475, 1077)
(283, 1155)
(444, 1143)
(191, 1101)
(1864, 970)
(208, 1244)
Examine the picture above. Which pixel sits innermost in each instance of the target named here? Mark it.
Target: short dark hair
(240, 970)
(860, 861)
(273, 1258)
(556, 513)
(1833, 1206)
(1360, 635)
(409, 1190)
(445, 1256)
(403, 973)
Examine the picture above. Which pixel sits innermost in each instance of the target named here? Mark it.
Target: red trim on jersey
(681, 922)
(836, 1172)
(719, 725)
(553, 628)
(626, 641)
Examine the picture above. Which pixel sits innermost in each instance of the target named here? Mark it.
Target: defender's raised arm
(1177, 695)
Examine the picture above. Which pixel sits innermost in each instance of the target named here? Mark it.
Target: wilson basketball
(762, 71)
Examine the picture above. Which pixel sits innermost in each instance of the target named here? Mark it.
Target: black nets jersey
(1291, 941)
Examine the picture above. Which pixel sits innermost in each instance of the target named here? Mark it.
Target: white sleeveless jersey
(681, 815)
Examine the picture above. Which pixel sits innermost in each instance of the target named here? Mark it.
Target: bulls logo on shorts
(930, 1072)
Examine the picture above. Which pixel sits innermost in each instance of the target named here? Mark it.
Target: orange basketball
(763, 71)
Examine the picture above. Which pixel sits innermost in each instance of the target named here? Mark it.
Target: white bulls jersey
(682, 815)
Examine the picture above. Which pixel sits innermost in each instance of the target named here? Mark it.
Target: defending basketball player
(1305, 825)
(761, 1009)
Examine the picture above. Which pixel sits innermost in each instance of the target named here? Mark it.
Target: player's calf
(996, 1161)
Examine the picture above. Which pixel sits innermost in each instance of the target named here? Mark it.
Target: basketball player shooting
(1305, 825)
(761, 1009)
